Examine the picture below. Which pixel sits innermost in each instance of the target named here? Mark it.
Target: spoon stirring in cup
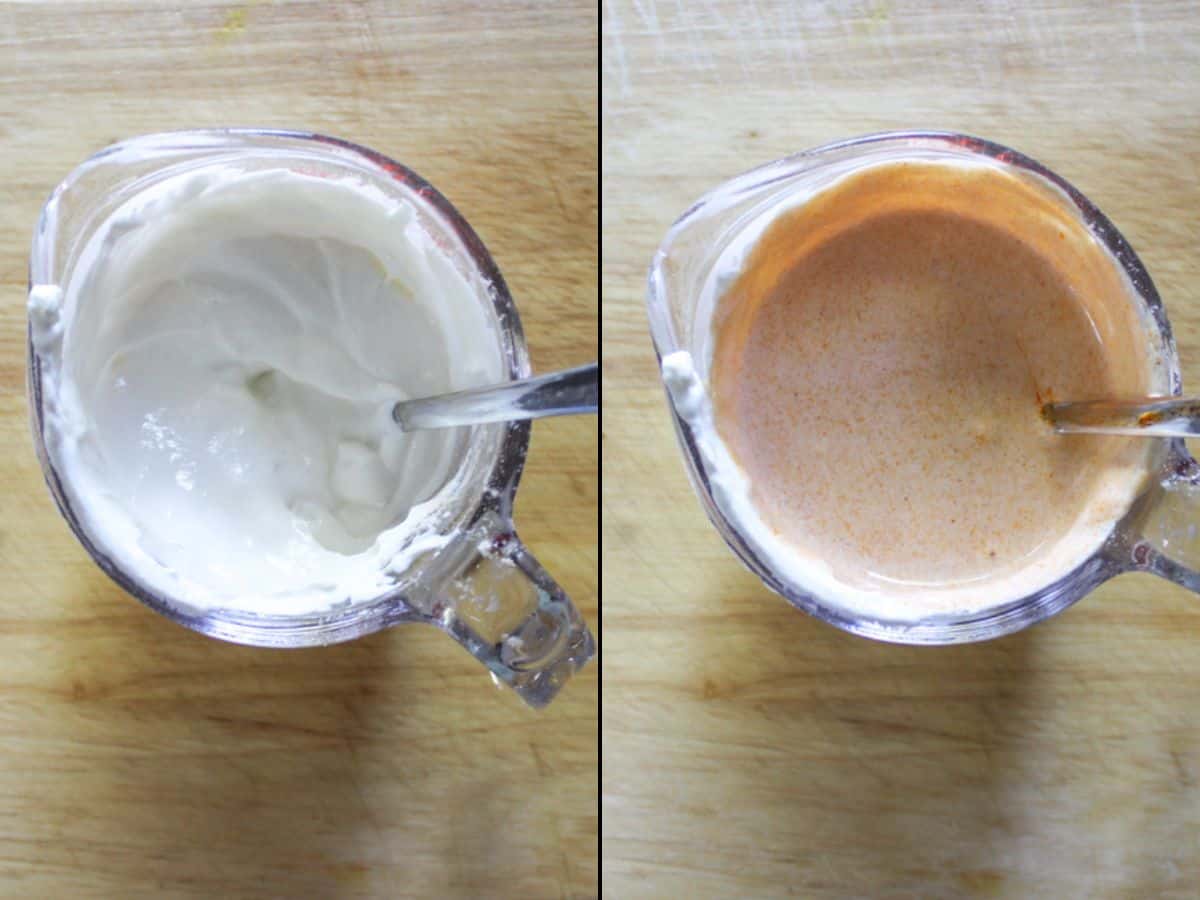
(556, 394)
(1148, 417)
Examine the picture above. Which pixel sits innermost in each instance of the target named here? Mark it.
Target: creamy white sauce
(218, 376)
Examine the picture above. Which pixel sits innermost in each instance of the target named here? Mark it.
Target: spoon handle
(557, 394)
(1167, 417)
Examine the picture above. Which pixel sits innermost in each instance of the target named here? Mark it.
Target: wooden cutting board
(750, 751)
(140, 759)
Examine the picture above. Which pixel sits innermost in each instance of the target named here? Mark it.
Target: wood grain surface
(750, 751)
(140, 759)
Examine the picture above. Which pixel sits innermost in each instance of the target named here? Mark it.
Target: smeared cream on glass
(218, 377)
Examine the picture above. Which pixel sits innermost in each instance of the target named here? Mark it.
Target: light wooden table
(140, 759)
(750, 751)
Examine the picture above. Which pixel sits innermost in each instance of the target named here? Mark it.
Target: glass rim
(1114, 556)
(328, 625)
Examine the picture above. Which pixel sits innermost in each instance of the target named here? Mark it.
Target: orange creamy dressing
(880, 363)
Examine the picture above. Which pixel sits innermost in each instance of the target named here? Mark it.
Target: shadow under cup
(1157, 533)
(482, 587)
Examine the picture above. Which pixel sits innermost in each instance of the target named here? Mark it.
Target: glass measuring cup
(1156, 534)
(482, 587)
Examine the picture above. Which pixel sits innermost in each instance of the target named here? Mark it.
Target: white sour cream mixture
(218, 377)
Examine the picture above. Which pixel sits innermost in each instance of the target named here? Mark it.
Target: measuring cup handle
(507, 611)
(1169, 545)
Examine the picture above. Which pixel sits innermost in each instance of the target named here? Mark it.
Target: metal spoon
(1149, 417)
(557, 394)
